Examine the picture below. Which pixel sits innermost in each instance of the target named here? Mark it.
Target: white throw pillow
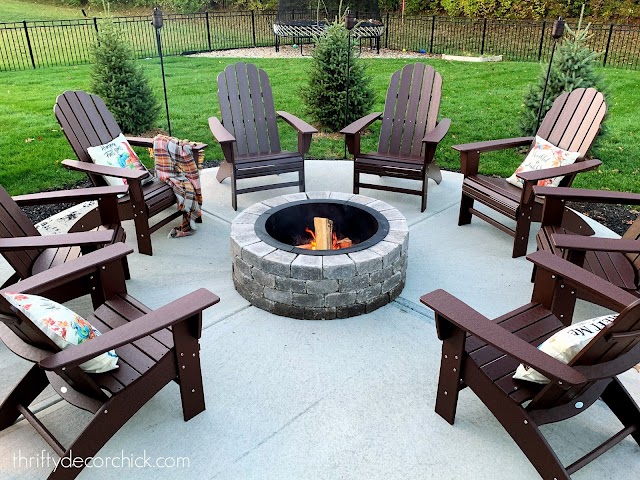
(544, 155)
(63, 326)
(117, 153)
(566, 344)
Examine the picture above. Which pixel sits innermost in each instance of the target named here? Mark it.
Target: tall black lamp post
(157, 24)
(349, 23)
(556, 32)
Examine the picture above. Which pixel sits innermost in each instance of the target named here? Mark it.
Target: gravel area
(287, 51)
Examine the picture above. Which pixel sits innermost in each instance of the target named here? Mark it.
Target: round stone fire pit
(273, 273)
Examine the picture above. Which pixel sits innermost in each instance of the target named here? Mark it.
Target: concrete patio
(338, 399)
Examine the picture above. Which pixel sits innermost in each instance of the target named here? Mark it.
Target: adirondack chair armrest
(587, 196)
(545, 173)
(436, 135)
(596, 244)
(491, 145)
(580, 278)
(140, 141)
(70, 196)
(129, 174)
(356, 127)
(66, 272)
(458, 313)
(220, 133)
(297, 123)
(148, 143)
(101, 237)
(171, 314)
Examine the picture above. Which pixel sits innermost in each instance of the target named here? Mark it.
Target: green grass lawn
(483, 100)
(19, 10)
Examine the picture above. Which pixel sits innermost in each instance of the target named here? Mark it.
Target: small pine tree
(573, 67)
(121, 83)
(325, 95)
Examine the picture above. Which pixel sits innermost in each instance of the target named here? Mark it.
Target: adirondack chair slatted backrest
(618, 343)
(15, 223)
(410, 110)
(574, 120)
(247, 109)
(86, 122)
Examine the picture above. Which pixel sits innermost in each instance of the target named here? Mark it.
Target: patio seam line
(413, 309)
(420, 220)
(286, 424)
(228, 315)
(40, 406)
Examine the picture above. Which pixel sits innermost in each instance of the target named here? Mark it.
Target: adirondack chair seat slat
(572, 124)
(409, 134)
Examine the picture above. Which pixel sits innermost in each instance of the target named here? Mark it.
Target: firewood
(324, 233)
(344, 243)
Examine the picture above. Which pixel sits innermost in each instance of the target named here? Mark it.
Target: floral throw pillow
(117, 153)
(566, 344)
(63, 326)
(544, 155)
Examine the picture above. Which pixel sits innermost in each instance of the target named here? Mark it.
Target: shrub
(573, 67)
(121, 83)
(325, 95)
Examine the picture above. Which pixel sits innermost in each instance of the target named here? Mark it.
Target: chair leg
(301, 179)
(143, 234)
(521, 239)
(234, 195)
(519, 425)
(189, 371)
(623, 406)
(450, 375)
(25, 392)
(425, 188)
(466, 204)
(356, 181)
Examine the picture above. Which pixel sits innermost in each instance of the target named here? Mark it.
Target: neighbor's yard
(483, 101)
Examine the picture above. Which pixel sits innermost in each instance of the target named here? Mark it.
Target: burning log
(324, 233)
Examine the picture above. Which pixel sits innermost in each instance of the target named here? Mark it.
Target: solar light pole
(556, 32)
(157, 23)
(349, 23)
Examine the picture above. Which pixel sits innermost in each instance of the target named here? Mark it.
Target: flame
(313, 245)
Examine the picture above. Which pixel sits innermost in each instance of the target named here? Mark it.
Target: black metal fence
(25, 45)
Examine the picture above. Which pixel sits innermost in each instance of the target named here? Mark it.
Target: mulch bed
(615, 217)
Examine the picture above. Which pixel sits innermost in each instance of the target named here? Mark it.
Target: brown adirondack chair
(483, 355)
(572, 124)
(86, 122)
(615, 260)
(155, 348)
(248, 133)
(28, 252)
(409, 134)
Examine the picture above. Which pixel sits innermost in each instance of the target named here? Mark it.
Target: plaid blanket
(175, 165)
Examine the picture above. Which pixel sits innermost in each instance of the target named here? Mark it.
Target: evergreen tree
(573, 67)
(325, 95)
(121, 83)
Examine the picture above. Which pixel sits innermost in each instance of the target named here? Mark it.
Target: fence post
(208, 30)
(484, 34)
(253, 26)
(544, 27)
(386, 32)
(433, 28)
(606, 51)
(26, 34)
